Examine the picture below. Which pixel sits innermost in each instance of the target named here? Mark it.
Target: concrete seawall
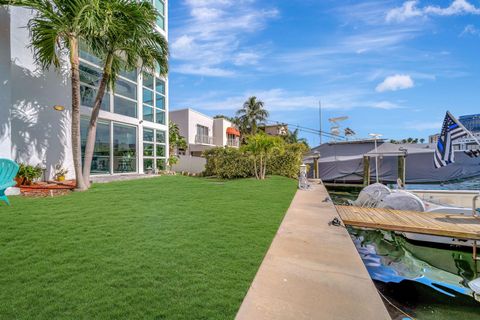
(312, 269)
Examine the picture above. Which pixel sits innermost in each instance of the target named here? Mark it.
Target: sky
(392, 67)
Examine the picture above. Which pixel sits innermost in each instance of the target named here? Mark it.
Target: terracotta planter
(19, 181)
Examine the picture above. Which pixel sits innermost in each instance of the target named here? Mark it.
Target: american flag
(451, 130)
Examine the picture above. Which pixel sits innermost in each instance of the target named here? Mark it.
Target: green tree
(261, 147)
(129, 41)
(57, 27)
(292, 138)
(176, 141)
(251, 115)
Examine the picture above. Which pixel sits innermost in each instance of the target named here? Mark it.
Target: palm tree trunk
(261, 167)
(265, 168)
(255, 167)
(92, 127)
(76, 142)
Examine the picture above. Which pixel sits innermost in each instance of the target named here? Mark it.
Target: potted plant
(60, 173)
(27, 174)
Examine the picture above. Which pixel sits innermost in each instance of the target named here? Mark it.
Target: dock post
(315, 169)
(401, 169)
(366, 170)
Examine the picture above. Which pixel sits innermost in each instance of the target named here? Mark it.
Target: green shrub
(227, 163)
(27, 173)
(231, 163)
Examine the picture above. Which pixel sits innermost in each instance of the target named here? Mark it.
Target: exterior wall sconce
(58, 108)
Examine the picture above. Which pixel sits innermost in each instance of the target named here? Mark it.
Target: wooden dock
(438, 224)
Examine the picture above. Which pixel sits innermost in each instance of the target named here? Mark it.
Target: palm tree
(292, 138)
(129, 41)
(57, 27)
(252, 114)
(260, 147)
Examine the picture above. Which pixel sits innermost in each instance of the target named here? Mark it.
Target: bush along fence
(262, 155)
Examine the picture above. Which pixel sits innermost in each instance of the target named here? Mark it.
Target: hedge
(232, 163)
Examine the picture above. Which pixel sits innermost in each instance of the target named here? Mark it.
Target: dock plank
(438, 224)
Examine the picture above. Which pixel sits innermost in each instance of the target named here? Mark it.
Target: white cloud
(410, 9)
(386, 105)
(396, 82)
(470, 29)
(406, 11)
(211, 37)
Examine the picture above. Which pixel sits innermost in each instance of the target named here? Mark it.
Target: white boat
(378, 195)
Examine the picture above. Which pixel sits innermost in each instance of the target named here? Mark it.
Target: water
(424, 281)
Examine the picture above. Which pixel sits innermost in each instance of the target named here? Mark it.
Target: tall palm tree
(129, 41)
(252, 114)
(292, 137)
(57, 27)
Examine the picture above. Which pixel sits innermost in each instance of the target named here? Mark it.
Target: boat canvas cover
(344, 162)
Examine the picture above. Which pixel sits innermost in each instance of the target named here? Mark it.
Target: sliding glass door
(124, 148)
(115, 147)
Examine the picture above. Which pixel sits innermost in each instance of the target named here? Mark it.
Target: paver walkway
(312, 270)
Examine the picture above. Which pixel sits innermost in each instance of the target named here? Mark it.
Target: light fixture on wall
(58, 107)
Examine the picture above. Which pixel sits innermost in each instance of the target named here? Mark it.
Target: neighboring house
(275, 129)
(132, 134)
(201, 133)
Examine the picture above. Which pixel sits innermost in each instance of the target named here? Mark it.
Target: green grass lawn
(161, 248)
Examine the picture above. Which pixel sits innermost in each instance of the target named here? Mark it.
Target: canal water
(415, 279)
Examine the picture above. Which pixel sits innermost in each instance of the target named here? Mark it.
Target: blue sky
(394, 67)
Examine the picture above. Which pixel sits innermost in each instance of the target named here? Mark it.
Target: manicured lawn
(162, 248)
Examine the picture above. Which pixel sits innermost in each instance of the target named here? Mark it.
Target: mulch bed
(48, 189)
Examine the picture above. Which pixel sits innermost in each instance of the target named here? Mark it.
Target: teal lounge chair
(8, 171)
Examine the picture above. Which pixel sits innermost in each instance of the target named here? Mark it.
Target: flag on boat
(451, 130)
(473, 153)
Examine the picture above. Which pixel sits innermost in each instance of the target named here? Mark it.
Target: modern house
(275, 129)
(35, 108)
(201, 133)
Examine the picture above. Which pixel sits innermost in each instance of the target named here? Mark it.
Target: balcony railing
(203, 139)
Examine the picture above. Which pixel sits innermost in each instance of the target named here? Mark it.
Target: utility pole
(320, 120)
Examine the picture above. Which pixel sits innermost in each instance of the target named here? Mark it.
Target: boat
(344, 162)
(378, 195)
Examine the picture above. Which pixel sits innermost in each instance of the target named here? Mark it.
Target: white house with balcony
(35, 107)
(201, 132)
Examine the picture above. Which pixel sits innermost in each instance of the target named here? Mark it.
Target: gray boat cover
(343, 162)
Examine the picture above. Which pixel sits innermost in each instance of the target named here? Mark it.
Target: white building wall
(190, 164)
(180, 117)
(31, 131)
(5, 85)
(39, 134)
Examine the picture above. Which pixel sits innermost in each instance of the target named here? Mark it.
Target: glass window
(148, 149)
(85, 53)
(88, 95)
(147, 96)
(159, 116)
(161, 165)
(147, 113)
(125, 107)
(160, 86)
(160, 150)
(90, 75)
(160, 6)
(160, 102)
(160, 136)
(148, 80)
(131, 75)
(161, 22)
(126, 89)
(148, 164)
(124, 148)
(101, 152)
(148, 134)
